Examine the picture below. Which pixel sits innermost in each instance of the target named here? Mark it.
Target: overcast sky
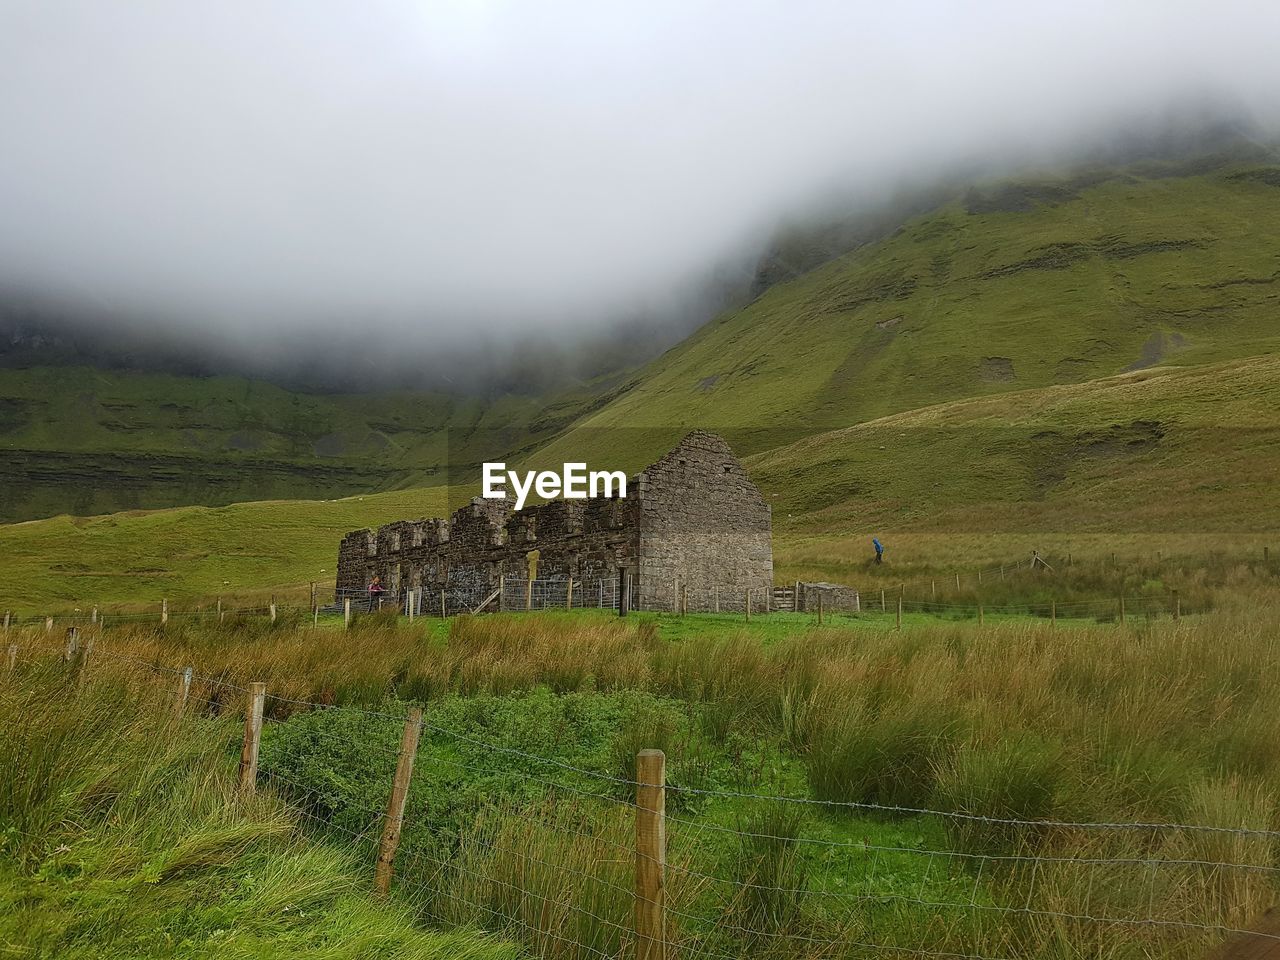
(251, 166)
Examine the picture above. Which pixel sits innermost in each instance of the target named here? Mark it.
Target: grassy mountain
(1176, 450)
(1018, 285)
(1097, 354)
(1023, 285)
(86, 441)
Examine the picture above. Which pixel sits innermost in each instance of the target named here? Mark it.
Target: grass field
(511, 828)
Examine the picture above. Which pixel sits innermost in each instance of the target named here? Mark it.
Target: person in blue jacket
(875, 542)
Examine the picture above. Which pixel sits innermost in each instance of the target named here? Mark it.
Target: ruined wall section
(705, 530)
(468, 555)
(836, 598)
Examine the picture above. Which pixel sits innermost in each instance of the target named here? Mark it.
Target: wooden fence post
(346, 612)
(394, 821)
(1053, 613)
(48, 624)
(93, 616)
(568, 595)
(819, 608)
(883, 608)
(82, 659)
(1122, 610)
(933, 589)
(898, 625)
(11, 658)
(73, 644)
(184, 692)
(1177, 606)
(747, 604)
(651, 855)
(957, 582)
(8, 614)
(272, 609)
(252, 737)
(313, 594)
(164, 612)
(219, 609)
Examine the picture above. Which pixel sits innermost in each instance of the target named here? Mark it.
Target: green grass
(122, 835)
(188, 552)
(1149, 722)
(1174, 450)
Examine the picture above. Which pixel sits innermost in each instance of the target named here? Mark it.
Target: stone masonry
(692, 524)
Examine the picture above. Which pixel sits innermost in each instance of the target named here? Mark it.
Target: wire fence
(559, 866)
(919, 596)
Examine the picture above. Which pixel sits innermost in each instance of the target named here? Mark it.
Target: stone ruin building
(692, 527)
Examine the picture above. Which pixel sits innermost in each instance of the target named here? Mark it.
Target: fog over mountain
(336, 182)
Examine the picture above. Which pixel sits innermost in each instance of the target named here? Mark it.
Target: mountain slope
(1171, 450)
(86, 441)
(1024, 286)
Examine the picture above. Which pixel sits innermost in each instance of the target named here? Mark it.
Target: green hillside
(1023, 286)
(84, 441)
(1171, 451)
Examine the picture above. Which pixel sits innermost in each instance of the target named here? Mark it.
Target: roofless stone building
(693, 525)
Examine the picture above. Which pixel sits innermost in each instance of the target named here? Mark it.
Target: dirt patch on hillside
(244, 442)
(996, 370)
(1055, 454)
(707, 384)
(1155, 349)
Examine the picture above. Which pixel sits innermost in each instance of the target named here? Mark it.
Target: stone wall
(692, 518)
(836, 598)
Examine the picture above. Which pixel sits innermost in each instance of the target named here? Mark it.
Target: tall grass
(1153, 722)
(123, 835)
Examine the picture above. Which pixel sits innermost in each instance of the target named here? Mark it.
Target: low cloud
(251, 171)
